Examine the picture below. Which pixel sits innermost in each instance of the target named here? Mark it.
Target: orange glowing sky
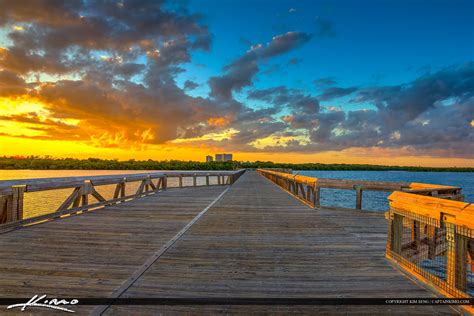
(142, 80)
(23, 138)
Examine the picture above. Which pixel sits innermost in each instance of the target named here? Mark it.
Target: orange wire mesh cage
(433, 239)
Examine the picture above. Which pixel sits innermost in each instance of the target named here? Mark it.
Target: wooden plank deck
(256, 241)
(90, 255)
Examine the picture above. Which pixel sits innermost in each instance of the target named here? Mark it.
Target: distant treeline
(35, 162)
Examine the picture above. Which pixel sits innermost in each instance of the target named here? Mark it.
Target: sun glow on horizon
(24, 136)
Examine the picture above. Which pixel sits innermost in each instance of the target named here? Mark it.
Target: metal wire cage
(434, 247)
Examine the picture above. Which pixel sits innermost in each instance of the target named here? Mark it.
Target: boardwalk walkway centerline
(256, 241)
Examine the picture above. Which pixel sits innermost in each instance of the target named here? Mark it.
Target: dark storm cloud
(240, 73)
(336, 92)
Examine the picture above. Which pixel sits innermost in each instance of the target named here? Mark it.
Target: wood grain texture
(256, 241)
(89, 255)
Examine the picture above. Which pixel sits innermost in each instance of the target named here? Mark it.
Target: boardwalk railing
(308, 189)
(431, 231)
(433, 239)
(91, 192)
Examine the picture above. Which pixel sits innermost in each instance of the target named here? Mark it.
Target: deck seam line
(151, 260)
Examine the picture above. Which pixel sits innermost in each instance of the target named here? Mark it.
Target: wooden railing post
(3, 208)
(397, 233)
(219, 179)
(207, 179)
(317, 197)
(461, 262)
(180, 180)
(456, 255)
(120, 189)
(194, 180)
(84, 192)
(358, 197)
(416, 235)
(165, 182)
(431, 235)
(148, 183)
(13, 205)
(308, 193)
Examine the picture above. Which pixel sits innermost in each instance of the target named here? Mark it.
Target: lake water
(45, 202)
(374, 200)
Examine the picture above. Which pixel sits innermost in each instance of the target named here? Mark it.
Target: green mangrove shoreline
(48, 163)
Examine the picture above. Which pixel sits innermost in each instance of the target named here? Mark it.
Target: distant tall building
(209, 158)
(223, 157)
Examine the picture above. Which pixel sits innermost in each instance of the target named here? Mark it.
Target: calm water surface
(47, 201)
(374, 200)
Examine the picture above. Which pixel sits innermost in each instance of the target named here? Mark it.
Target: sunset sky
(380, 82)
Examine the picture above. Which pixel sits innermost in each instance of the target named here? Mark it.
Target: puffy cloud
(105, 72)
(431, 115)
(291, 98)
(404, 103)
(241, 72)
(60, 36)
(45, 12)
(120, 60)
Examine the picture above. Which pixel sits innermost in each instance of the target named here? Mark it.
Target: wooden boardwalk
(254, 240)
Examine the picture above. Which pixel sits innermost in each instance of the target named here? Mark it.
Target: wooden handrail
(448, 192)
(12, 191)
(427, 222)
(459, 213)
(341, 183)
(43, 184)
